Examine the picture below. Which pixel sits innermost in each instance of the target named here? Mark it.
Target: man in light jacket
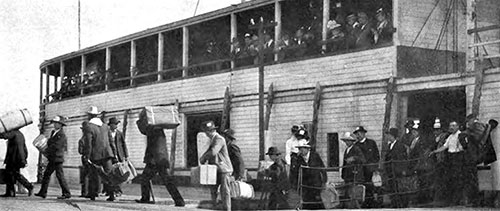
(217, 154)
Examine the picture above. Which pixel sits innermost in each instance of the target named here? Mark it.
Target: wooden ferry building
(435, 59)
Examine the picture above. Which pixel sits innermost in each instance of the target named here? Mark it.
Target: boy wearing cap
(279, 180)
(56, 147)
(15, 159)
(217, 154)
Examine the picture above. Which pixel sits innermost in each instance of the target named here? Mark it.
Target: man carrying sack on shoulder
(217, 154)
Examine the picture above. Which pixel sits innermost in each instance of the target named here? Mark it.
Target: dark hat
(409, 124)
(273, 151)
(358, 129)
(59, 119)
(113, 120)
(229, 133)
(493, 123)
(295, 128)
(393, 131)
(208, 125)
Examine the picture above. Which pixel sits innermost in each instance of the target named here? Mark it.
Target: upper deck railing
(220, 41)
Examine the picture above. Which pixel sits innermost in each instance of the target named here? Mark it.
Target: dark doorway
(447, 105)
(193, 128)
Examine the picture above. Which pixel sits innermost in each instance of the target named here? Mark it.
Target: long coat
(57, 146)
(313, 177)
(372, 156)
(393, 166)
(156, 147)
(17, 153)
(352, 171)
(218, 150)
(118, 146)
(97, 142)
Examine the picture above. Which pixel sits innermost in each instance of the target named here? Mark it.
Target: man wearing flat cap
(56, 147)
(372, 156)
(217, 154)
(279, 180)
(394, 168)
(313, 179)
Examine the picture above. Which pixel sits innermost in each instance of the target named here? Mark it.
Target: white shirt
(453, 144)
(392, 144)
(113, 134)
(290, 148)
(363, 140)
(55, 132)
(348, 149)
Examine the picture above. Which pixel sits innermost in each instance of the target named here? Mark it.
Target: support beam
(161, 49)
(41, 86)
(389, 97)
(133, 61)
(82, 71)
(226, 109)
(47, 83)
(314, 126)
(279, 25)
(267, 118)
(173, 144)
(107, 77)
(185, 50)
(234, 34)
(326, 17)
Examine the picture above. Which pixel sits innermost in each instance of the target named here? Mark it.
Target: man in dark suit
(56, 147)
(235, 155)
(85, 168)
(372, 156)
(156, 160)
(120, 152)
(394, 168)
(15, 159)
(365, 37)
(97, 151)
(313, 179)
(352, 171)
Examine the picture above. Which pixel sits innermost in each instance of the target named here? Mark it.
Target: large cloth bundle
(330, 196)
(204, 175)
(166, 117)
(40, 143)
(241, 190)
(14, 120)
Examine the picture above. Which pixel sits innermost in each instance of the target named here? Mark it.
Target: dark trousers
(84, 178)
(58, 168)
(294, 170)
(462, 179)
(278, 200)
(95, 176)
(149, 172)
(312, 198)
(369, 187)
(440, 186)
(13, 175)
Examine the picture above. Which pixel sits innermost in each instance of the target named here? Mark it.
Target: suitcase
(204, 175)
(14, 120)
(241, 190)
(166, 117)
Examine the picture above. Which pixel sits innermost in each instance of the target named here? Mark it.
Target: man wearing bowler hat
(120, 152)
(217, 154)
(56, 147)
(372, 156)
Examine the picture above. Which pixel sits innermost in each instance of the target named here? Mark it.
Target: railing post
(185, 51)
(161, 46)
(47, 83)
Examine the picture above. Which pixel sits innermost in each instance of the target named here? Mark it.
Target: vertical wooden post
(326, 18)
(391, 86)
(133, 61)
(226, 110)
(234, 33)
(108, 69)
(41, 85)
(173, 144)
(269, 106)
(277, 28)
(316, 105)
(185, 50)
(82, 71)
(262, 138)
(61, 74)
(55, 82)
(472, 63)
(47, 82)
(161, 47)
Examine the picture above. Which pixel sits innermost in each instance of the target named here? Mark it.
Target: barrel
(14, 120)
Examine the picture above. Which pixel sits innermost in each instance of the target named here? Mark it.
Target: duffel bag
(241, 190)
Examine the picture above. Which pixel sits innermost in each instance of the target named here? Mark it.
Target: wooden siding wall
(413, 14)
(353, 95)
(488, 13)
